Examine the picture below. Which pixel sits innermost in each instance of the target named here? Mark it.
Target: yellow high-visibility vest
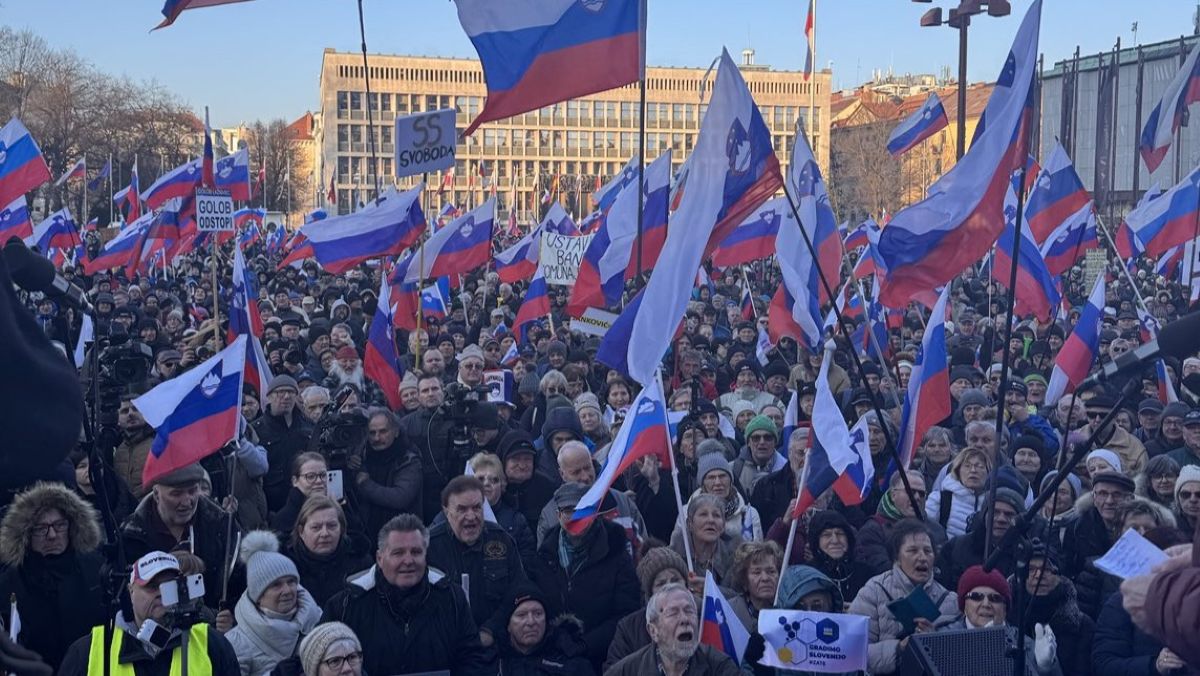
(198, 662)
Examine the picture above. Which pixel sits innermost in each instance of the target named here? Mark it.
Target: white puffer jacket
(262, 639)
(963, 504)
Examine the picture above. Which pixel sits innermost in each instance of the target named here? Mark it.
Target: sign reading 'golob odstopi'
(425, 142)
(214, 210)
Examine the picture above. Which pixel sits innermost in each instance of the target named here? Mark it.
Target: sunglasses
(1188, 495)
(761, 437)
(979, 597)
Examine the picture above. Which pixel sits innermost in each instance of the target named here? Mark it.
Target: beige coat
(884, 629)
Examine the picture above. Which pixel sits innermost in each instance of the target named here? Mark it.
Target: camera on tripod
(341, 434)
(122, 364)
(458, 407)
(183, 598)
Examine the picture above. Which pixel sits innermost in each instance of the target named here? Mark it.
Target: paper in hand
(1131, 556)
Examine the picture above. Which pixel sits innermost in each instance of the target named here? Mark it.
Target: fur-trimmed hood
(14, 529)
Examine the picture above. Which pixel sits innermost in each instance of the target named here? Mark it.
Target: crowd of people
(341, 536)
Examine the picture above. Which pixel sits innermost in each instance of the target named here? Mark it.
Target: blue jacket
(1036, 424)
(1119, 648)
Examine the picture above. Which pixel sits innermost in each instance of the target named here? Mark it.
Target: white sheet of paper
(1131, 556)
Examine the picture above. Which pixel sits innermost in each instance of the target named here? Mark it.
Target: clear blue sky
(261, 59)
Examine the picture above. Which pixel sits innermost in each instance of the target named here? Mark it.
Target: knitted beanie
(264, 564)
(1187, 474)
(318, 642)
(1107, 456)
(586, 400)
(975, 577)
(655, 561)
(761, 423)
(711, 462)
(708, 446)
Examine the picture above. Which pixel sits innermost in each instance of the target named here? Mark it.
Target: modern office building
(565, 150)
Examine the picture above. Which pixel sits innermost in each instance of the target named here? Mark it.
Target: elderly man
(1114, 437)
(871, 547)
(759, 457)
(347, 369)
(315, 399)
(208, 651)
(1093, 533)
(575, 464)
(387, 477)
(748, 388)
(470, 366)
(479, 553)
(1188, 452)
(673, 621)
(284, 432)
(175, 514)
(409, 617)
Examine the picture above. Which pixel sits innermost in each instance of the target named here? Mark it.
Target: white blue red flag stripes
(928, 400)
(244, 320)
(535, 305)
(1170, 112)
(173, 8)
(519, 261)
(1165, 221)
(810, 40)
(14, 220)
(57, 231)
(807, 188)
(1069, 240)
(195, 413)
(644, 432)
(839, 458)
(929, 243)
(538, 52)
(178, 182)
(1080, 349)
(232, 173)
(386, 227)
(105, 172)
(381, 362)
(925, 121)
(1036, 291)
(754, 238)
(22, 167)
(607, 194)
(795, 309)
(458, 247)
(77, 170)
(733, 171)
(720, 628)
(122, 250)
(1057, 194)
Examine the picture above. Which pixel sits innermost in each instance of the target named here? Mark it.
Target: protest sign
(561, 255)
(815, 642)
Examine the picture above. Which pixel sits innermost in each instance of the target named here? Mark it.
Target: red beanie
(975, 577)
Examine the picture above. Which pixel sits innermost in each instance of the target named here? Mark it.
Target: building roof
(302, 129)
(866, 107)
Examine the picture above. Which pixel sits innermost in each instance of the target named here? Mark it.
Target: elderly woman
(1029, 457)
(935, 452)
(332, 649)
(274, 612)
(1144, 516)
(984, 600)
(1187, 498)
(831, 541)
(490, 472)
(48, 542)
(1059, 510)
(715, 477)
(912, 552)
(711, 544)
(324, 553)
(1102, 460)
(1157, 481)
(963, 492)
(753, 577)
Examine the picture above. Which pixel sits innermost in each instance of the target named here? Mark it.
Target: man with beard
(130, 457)
(672, 619)
(347, 369)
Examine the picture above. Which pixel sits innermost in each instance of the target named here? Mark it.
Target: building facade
(564, 151)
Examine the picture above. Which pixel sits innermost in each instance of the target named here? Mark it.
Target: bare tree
(866, 180)
(272, 146)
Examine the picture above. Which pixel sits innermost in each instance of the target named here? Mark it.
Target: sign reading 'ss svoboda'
(425, 142)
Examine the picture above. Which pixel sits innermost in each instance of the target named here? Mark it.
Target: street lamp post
(959, 18)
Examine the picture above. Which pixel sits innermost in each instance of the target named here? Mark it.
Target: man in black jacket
(387, 476)
(428, 430)
(284, 431)
(966, 550)
(773, 492)
(527, 490)
(1091, 534)
(408, 617)
(481, 554)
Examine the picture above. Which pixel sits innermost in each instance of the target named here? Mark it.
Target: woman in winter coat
(963, 492)
(325, 556)
(831, 541)
(1157, 481)
(1121, 648)
(753, 577)
(274, 613)
(936, 451)
(910, 547)
(712, 545)
(48, 542)
(715, 477)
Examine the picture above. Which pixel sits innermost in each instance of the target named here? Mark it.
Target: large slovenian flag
(611, 258)
(386, 227)
(14, 220)
(1056, 196)
(1169, 219)
(925, 121)
(244, 320)
(58, 231)
(929, 243)
(535, 305)
(520, 260)
(381, 362)
(1036, 291)
(1127, 245)
(839, 458)
(22, 167)
(928, 400)
(1081, 348)
(173, 8)
(1171, 111)
(754, 238)
(720, 628)
(459, 247)
(733, 171)
(606, 195)
(195, 413)
(122, 250)
(232, 173)
(644, 432)
(181, 181)
(1069, 240)
(538, 52)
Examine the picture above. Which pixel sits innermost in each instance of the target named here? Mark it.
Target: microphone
(1177, 339)
(36, 273)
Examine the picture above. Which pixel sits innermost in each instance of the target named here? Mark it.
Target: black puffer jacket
(283, 443)
(966, 550)
(561, 652)
(1072, 629)
(1121, 648)
(772, 494)
(428, 433)
(325, 576)
(1086, 539)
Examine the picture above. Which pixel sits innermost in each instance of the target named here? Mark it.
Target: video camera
(341, 434)
(121, 363)
(183, 599)
(458, 407)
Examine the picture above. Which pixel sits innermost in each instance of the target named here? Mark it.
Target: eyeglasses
(335, 663)
(1095, 415)
(58, 527)
(979, 597)
(1188, 495)
(471, 366)
(1109, 495)
(756, 438)
(313, 477)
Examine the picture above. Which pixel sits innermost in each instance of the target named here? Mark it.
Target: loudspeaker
(964, 652)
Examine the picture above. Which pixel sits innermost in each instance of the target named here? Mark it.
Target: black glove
(755, 649)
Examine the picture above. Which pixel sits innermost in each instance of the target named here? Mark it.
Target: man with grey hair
(387, 476)
(410, 618)
(314, 398)
(673, 622)
(575, 463)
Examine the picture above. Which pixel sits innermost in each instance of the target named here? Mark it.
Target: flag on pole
(928, 400)
(720, 628)
(244, 320)
(1159, 223)
(925, 121)
(381, 362)
(386, 227)
(1171, 111)
(22, 167)
(810, 40)
(1081, 348)
(195, 413)
(105, 172)
(173, 8)
(461, 246)
(1055, 196)
(77, 170)
(754, 238)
